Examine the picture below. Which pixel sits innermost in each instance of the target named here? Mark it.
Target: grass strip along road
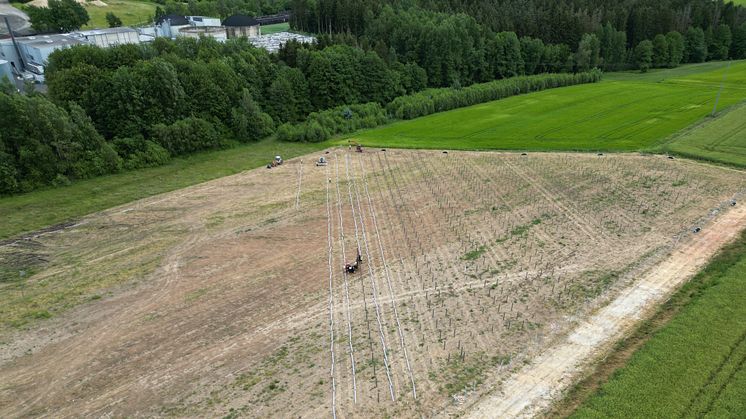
(624, 112)
(694, 366)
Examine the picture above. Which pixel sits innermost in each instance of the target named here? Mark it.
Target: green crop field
(278, 27)
(696, 365)
(721, 139)
(626, 111)
(42, 208)
(131, 12)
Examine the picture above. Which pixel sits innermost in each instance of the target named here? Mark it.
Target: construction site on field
(237, 296)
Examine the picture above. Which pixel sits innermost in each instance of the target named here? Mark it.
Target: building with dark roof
(237, 26)
(173, 20)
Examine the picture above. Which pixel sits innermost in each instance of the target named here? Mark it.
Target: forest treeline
(457, 39)
(553, 21)
(134, 106)
(220, 8)
(320, 126)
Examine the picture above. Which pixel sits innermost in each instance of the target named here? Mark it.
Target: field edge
(603, 369)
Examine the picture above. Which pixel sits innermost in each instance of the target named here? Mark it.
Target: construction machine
(351, 268)
(274, 163)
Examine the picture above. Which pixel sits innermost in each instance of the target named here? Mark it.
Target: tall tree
(722, 38)
(644, 55)
(58, 16)
(738, 47)
(613, 45)
(531, 52)
(695, 47)
(675, 48)
(249, 123)
(113, 20)
(661, 56)
(588, 54)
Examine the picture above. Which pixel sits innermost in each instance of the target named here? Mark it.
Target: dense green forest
(134, 106)
(221, 8)
(462, 39)
(552, 21)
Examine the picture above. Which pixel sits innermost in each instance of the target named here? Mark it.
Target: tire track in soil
(374, 289)
(387, 275)
(570, 214)
(701, 393)
(348, 314)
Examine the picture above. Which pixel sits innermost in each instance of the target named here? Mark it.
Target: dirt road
(534, 387)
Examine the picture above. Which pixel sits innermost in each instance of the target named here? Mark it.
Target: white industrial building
(109, 37)
(29, 54)
(171, 26)
(238, 26)
(215, 32)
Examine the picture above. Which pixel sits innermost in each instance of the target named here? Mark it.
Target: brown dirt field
(228, 298)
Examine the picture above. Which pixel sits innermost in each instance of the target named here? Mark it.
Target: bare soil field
(229, 298)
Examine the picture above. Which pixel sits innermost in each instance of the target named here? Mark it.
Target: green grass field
(695, 366)
(721, 139)
(278, 27)
(626, 111)
(131, 12)
(42, 208)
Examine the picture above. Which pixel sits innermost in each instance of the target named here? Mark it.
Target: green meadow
(695, 366)
(625, 112)
(721, 139)
(274, 28)
(31, 211)
(131, 12)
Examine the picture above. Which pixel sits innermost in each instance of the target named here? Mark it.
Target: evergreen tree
(613, 46)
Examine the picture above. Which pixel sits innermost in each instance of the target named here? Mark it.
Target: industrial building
(169, 26)
(238, 26)
(5, 70)
(215, 32)
(109, 37)
(30, 53)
